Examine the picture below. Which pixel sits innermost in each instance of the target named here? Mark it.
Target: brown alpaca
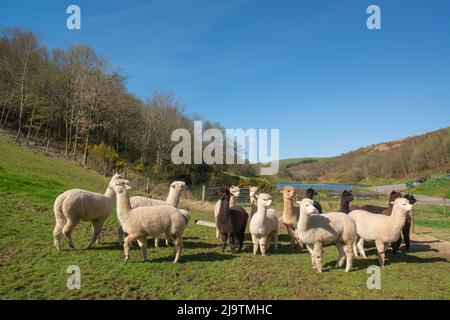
(231, 222)
(291, 214)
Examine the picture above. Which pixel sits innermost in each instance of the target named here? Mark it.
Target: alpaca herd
(142, 217)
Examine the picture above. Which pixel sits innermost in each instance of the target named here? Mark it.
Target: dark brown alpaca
(346, 198)
(231, 222)
(310, 193)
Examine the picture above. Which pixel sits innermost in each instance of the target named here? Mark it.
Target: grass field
(31, 268)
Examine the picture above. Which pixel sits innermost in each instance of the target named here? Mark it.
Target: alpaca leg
(355, 247)
(57, 232)
(120, 235)
(232, 242)
(380, 249)
(318, 253)
(395, 245)
(126, 244)
(349, 255)
(275, 241)
(341, 259)
(405, 232)
(68, 229)
(255, 241)
(361, 248)
(263, 245)
(224, 237)
(97, 226)
(310, 248)
(178, 247)
(291, 235)
(156, 242)
(143, 245)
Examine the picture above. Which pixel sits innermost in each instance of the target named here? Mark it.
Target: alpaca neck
(109, 193)
(345, 206)
(260, 213)
(254, 206)
(173, 198)
(123, 207)
(303, 222)
(397, 219)
(233, 200)
(288, 210)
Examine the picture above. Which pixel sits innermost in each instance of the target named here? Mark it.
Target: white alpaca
(253, 193)
(235, 192)
(75, 205)
(145, 221)
(380, 228)
(264, 225)
(316, 229)
(173, 199)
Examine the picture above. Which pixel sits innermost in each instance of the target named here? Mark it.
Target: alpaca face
(264, 200)
(307, 206)
(410, 198)
(178, 185)
(224, 193)
(120, 185)
(116, 176)
(253, 191)
(394, 195)
(403, 204)
(289, 192)
(347, 195)
(235, 191)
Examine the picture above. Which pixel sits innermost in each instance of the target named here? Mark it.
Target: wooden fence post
(147, 189)
(443, 203)
(203, 193)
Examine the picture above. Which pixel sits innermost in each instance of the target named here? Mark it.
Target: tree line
(74, 99)
(412, 157)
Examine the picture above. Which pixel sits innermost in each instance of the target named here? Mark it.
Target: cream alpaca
(290, 214)
(316, 229)
(264, 225)
(235, 192)
(173, 199)
(75, 205)
(380, 228)
(145, 221)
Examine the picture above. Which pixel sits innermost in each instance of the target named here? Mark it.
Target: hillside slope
(408, 158)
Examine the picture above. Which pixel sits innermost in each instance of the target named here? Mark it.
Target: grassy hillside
(409, 158)
(433, 187)
(31, 268)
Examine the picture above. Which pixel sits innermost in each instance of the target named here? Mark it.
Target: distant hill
(421, 155)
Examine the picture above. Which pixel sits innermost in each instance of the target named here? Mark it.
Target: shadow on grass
(200, 256)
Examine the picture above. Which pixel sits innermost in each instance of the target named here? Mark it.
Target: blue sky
(310, 68)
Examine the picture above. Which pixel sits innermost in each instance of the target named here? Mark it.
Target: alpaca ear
(392, 202)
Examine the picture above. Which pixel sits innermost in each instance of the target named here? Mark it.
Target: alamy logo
(74, 280)
(374, 281)
(74, 20)
(374, 20)
(239, 143)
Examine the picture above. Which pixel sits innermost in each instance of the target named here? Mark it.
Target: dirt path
(422, 241)
(421, 199)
